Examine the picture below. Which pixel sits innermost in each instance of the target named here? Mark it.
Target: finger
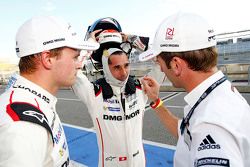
(96, 31)
(124, 37)
(144, 86)
(92, 34)
(148, 78)
(150, 81)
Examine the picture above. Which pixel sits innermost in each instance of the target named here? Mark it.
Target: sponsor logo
(115, 109)
(169, 33)
(119, 117)
(131, 97)
(111, 101)
(112, 117)
(111, 35)
(110, 158)
(61, 152)
(210, 31)
(122, 158)
(213, 161)
(37, 115)
(66, 163)
(139, 44)
(135, 154)
(64, 145)
(169, 45)
(133, 104)
(52, 41)
(211, 38)
(11, 82)
(58, 135)
(46, 99)
(208, 143)
(146, 56)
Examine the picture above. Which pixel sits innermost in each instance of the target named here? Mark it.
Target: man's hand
(83, 57)
(151, 88)
(124, 37)
(92, 35)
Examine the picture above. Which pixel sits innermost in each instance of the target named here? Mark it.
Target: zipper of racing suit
(123, 103)
(126, 124)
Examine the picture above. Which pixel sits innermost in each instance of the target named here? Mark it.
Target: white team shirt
(219, 128)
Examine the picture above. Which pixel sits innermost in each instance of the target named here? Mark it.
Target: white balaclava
(107, 74)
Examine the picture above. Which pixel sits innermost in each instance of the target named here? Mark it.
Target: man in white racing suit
(31, 132)
(116, 104)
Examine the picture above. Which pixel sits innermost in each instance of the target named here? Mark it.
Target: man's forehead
(119, 59)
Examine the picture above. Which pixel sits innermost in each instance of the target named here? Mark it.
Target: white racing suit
(119, 131)
(28, 119)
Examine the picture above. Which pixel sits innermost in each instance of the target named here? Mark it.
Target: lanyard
(185, 121)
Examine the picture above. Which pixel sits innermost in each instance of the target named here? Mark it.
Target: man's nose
(124, 71)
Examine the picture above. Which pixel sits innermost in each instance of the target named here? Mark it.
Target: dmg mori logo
(119, 117)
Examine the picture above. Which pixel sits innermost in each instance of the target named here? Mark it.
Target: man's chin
(70, 83)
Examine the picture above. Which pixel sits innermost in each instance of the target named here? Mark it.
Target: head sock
(107, 74)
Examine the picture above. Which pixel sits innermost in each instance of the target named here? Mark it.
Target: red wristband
(156, 104)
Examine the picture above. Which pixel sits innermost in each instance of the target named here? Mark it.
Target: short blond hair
(28, 64)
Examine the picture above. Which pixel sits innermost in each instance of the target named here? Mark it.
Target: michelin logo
(212, 161)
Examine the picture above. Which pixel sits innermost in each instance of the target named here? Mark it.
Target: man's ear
(177, 65)
(46, 59)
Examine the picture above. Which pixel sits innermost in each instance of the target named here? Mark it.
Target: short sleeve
(214, 146)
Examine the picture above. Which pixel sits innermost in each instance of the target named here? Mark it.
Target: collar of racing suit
(17, 81)
(107, 90)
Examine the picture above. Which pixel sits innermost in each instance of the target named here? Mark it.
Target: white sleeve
(83, 88)
(23, 144)
(214, 146)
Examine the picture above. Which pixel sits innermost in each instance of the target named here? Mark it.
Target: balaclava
(107, 74)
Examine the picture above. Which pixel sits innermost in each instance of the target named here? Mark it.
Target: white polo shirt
(219, 128)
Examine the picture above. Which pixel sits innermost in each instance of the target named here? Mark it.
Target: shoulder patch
(21, 111)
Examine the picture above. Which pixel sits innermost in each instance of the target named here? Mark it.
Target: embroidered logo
(208, 143)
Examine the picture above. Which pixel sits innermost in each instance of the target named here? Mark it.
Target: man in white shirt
(215, 127)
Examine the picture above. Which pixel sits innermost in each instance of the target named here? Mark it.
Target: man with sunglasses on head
(116, 102)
